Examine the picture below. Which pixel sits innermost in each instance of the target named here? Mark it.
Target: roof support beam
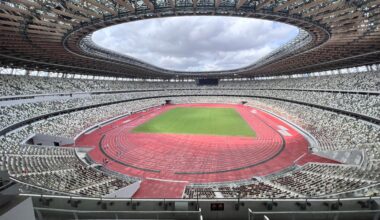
(306, 6)
(87, 12)
(284, 5)
(172, 3)
(149, 4)
(126, 4)
(263, 3)
(101, 6)
(195, 3)
(217, 3)
(240, 3)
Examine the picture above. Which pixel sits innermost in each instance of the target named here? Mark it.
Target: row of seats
(369, 81)
(332, 130)
(58, 168)
(313, 184)
(312, 180)
(254, 189)
(362, 104)
(339, 131)
(352, 172)
(35, 165)
(77, 180)
(26, 85)
(70, 124)
(358, 103)
(19, 111)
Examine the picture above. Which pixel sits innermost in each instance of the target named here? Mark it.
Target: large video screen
(207, 82)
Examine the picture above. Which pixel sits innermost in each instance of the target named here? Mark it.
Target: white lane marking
(284, 131)
(165, 180)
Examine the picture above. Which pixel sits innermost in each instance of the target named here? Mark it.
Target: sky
(196, 43)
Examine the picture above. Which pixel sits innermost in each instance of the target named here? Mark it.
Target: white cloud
(196, 43)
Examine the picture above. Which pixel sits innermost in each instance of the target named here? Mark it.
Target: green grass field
(208, 121)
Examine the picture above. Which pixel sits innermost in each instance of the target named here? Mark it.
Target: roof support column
(240, 3)
(217, 3)
(149, 4)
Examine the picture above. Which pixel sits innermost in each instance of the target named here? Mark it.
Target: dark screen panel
(217, 206)
(207, 82)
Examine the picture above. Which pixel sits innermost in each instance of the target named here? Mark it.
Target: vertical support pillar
(372, 69)
(39, 215)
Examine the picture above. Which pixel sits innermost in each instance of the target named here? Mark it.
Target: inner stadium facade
(68, 108)
(58, 33)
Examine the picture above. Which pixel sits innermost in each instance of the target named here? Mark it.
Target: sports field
(206, 121)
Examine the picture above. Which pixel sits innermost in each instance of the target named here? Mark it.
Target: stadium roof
(54, 35)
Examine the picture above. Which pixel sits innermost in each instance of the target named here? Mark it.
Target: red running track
(197, 158)
(157, 189)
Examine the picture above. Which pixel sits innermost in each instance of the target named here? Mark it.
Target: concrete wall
(233, 208)
(353, 157)
(48, 140)
(18, 210)
(126, 192)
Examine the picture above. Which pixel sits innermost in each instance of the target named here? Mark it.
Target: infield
(194, 120)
